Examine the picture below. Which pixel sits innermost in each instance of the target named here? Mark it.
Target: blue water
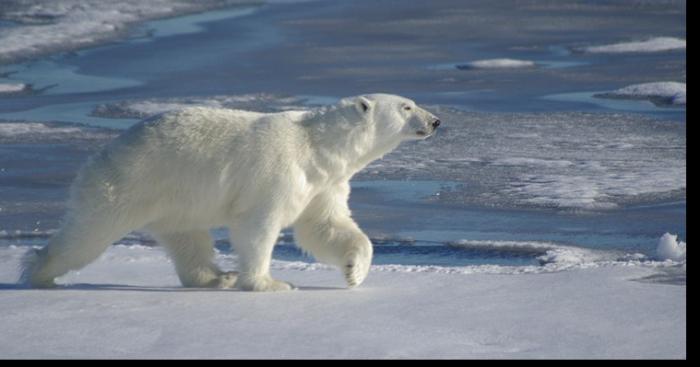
(282, 49)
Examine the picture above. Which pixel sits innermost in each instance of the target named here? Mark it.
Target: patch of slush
(656, 44)
(497, 64)
(662, 93)
(51, 26)
(669, 248)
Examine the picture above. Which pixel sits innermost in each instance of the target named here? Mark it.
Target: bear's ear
(363, 104)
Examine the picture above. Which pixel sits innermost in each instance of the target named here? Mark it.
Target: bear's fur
(181, 173)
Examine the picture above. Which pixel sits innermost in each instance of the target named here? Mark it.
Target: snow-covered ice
(12, 87)
(129, 304)
(665, 93)
(670, 248)
(497, 64)
(51, 26)
(656, 44)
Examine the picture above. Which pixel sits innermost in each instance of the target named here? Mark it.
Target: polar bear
(179, 174)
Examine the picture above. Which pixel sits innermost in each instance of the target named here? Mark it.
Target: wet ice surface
(560, 160)
(525, 155)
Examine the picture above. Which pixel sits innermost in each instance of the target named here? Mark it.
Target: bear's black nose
(436, 123)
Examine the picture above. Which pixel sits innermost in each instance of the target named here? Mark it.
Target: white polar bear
(179, 174)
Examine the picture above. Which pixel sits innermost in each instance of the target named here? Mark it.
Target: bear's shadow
(134, 288)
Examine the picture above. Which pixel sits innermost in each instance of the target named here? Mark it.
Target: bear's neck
(342, 147)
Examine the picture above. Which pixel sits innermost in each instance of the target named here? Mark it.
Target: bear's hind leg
(77, 243)
(193, 255)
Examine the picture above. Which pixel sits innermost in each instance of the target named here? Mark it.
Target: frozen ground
(535, 224)
(129, 305)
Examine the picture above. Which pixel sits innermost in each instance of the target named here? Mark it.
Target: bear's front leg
(357, 260)
(327, 231)
(339, 242)
(254, 239)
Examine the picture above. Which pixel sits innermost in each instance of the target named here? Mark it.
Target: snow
(673, 93)
(129, 305)
(12, 87)
(670, 248)
(497, 64)
(656, 44)
(51, 26)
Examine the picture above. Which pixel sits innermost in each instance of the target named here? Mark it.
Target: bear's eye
(407, 108)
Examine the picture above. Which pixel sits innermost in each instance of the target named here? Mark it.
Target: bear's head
(392, 118)
(360, 129)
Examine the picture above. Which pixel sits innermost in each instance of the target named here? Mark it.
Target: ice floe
(496, 64)
(670, 248)
(656, 44)
(11, 88)
(663, 93)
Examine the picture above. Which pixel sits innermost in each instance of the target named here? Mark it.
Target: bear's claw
(355, 273)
